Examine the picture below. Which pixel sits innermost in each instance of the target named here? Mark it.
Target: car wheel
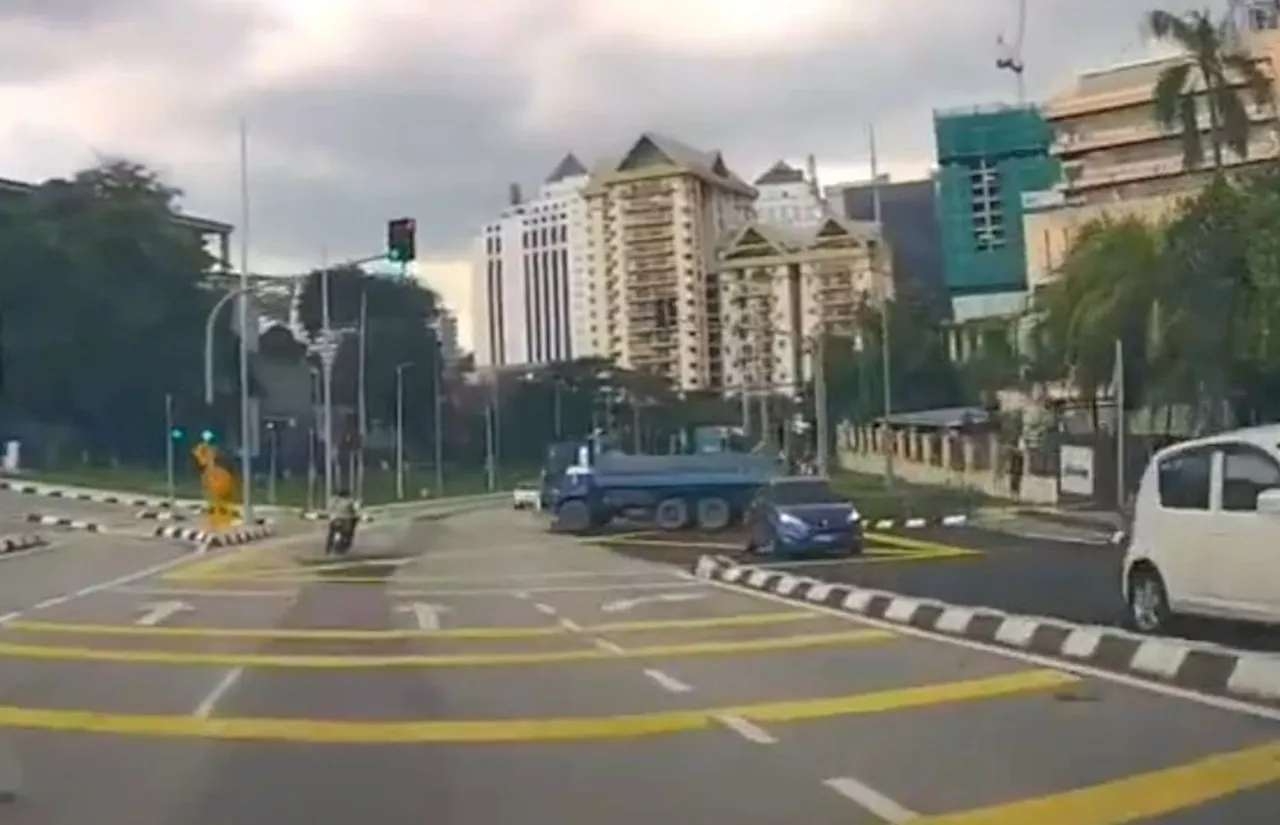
(1148, 602)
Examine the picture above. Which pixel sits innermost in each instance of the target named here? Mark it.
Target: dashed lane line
(1139, 798)
(329, 731)
(304, 576)
(409, 593)
(564, 627)
(354, 661)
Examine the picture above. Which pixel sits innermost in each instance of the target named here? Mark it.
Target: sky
(362, 110)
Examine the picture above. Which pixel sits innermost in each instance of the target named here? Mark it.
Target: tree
(1204, 83)
(105, 312)
(1107, 285)
(401, 314)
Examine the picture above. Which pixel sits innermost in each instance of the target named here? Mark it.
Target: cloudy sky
(361, 110)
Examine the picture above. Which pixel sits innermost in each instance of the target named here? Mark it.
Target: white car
(1206, 532)
(526, 497)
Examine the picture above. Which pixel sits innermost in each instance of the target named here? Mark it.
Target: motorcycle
(340, 536)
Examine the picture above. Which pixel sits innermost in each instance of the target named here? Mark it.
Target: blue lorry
(587, 485)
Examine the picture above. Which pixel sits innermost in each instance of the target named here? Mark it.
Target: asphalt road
(476, 670)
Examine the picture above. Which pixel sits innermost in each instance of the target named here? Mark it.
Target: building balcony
(1068, 143)
(1091, 177)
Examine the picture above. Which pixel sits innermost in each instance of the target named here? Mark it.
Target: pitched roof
(568, 167)
(780, 172)
(709, 166)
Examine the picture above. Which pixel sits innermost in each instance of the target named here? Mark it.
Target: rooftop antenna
(1010, 59)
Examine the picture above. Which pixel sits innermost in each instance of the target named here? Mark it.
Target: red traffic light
(401, 240)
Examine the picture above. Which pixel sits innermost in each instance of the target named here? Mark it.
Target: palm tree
(1207, 79)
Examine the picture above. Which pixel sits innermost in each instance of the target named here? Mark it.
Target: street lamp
(400, 368)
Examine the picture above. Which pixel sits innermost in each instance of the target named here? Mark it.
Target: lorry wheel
(573, 517)
(671, 514)
(714, 513)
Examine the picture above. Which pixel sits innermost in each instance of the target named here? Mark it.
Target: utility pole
(169, 462)
(437, 391)
(822, 425)
(328, 354)
(362, 407)
(246, 426)
(400, 368)
(886, 362)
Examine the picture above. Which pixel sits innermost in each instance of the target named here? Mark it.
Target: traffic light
(178, 434)
(401, 240)
(208, 436)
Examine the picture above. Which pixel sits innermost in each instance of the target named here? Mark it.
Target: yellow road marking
(1137, 798)
(326, 634)
(894, 540)
(303, 576)
(586, 654)
(318, 731)
(208, 567)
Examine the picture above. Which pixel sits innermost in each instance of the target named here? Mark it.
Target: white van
(1206, 532)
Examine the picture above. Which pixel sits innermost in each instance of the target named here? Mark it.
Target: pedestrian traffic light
(401, 240)
(208, 436)
(178, 433)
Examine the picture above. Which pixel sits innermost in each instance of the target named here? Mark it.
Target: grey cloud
(435, 135)
(40, 39)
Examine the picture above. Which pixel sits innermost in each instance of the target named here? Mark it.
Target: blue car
(801, 517)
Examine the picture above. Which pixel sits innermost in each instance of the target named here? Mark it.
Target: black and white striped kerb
(1199, 667)
(99, 496)
(242, 536)
(63, 521)
(162, 515)
(958, 520)
(12, 544)
(181, 533)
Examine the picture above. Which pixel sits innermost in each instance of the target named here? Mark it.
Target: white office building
(527, 275)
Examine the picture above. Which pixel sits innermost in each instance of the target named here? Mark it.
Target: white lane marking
(1208, 700)
(607, 646)
(426, 615)
(570, 625)
(667, 682)
(747, 729)
(210, 702)
(160, 611)
(521, 594)
(52, 601)
(545, 609)
(623, 605)
(871, 800)
(30, 551)
(8, 617)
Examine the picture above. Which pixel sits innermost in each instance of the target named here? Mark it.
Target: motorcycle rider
(344, 514)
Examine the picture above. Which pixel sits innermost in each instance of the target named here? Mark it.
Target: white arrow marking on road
(158, 612)
(426, 614)
(623, 605)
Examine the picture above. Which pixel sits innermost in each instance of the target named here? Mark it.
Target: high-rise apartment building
(526, 266)
(781, 287)
(654, 220)
(1116, 160)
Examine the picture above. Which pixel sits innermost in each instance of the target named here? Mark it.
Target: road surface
(476, 670)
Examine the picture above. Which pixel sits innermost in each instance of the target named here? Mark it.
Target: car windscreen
(805, 492)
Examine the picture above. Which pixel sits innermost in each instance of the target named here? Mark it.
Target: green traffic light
(207, 436)
(177, 433)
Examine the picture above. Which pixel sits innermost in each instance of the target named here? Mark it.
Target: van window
(1246, 471)
(1184, 480)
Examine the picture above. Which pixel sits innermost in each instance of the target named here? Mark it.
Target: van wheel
(1148, 602)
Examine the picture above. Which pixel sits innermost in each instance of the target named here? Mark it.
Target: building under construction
(988, 157)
